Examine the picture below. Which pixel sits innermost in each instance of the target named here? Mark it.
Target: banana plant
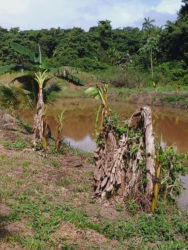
(100, 93)
(34, 63)
(13, 98)
(36, 83)
(39, 118)
(60, 120)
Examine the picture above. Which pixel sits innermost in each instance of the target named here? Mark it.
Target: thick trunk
(119, 164)
(150, 151)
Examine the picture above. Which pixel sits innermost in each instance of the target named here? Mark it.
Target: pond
(170, 126)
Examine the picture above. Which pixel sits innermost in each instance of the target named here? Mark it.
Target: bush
(175, 71)
(88, 64)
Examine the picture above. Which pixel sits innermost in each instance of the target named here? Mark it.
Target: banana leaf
(7, 68)
(24, 51)
(92, 92)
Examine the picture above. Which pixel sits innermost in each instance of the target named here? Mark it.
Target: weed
(119, 207)
(173, 244)
(17, 145)
(64, 182)
(55, 164)
(66, 246)
(92, 201)
(132, 207)
(25, 163)
(98, 212)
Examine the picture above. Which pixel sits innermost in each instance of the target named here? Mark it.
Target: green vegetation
(43, 215)
(101, 93)
(147, 55)
(17, 145)
(46, 197)
(130, 141)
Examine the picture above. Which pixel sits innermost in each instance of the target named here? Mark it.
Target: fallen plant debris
(130, 164)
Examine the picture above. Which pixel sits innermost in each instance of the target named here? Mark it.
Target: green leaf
(23, 50)
(97, 97)
(7, 68)
(92, 92)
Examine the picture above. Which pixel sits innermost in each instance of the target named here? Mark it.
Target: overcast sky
(37, 14)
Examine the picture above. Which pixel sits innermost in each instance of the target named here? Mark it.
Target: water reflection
(87, 144)
(170, 124)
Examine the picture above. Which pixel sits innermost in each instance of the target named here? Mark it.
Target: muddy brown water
(170, 126)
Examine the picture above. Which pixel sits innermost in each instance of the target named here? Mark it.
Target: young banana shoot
(60, 120)
(100, 93)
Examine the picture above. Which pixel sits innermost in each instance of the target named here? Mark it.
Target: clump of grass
(119, 207)
(25, 163)
(132, 207)
(17, 145)
(55, 164)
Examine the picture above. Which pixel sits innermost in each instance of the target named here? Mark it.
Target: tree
(105, 33)
(150, 47)
(147, 25)
(174, 39)
(113, 55)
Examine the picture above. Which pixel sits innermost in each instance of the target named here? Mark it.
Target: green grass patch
(17, 145)
(164, 228)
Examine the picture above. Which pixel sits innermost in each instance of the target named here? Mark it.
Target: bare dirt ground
(28, 177)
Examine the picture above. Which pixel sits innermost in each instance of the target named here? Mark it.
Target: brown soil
(70, 177)
(85, 238)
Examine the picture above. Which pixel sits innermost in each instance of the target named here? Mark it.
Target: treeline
(102, 47)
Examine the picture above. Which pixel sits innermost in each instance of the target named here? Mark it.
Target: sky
(37, 14)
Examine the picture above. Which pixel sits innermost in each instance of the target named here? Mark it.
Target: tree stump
(126, 166)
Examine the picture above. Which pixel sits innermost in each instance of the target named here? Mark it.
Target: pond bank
(165, 97)
(47, 202)
(150, 97)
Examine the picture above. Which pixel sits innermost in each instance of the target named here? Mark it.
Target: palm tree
(150, 47)
(148, 24)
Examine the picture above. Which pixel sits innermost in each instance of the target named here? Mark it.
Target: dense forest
(160, 51)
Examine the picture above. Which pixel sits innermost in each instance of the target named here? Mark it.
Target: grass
(52, 206)
(8, 77)
(43, 213)
(68, 93)
(162, 96)
(17, 145)
(161, 228)
(132, 207)
(55, 163)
